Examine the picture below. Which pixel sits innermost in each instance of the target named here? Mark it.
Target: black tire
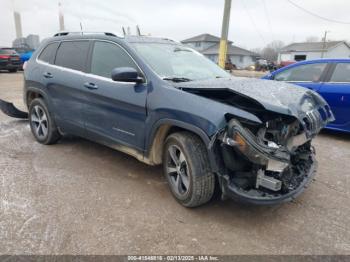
(201, 181)
(51, 135)
(12, 70)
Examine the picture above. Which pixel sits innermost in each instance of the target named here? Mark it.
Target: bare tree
(256, 50)
(270, 51)
(312, 39)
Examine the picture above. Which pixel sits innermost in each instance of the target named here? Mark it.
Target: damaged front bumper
(10, 110)
(255, 196)
(263, 174)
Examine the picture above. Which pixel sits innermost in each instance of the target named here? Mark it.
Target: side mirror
(126, 74)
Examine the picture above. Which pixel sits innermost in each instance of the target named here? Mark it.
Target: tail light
(4, 56)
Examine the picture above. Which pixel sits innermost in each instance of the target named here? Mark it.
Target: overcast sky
(254, 23)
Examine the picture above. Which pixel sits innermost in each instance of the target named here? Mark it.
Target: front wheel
(186, 168)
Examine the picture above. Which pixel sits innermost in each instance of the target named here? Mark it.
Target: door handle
(90, 86)
(48, 75)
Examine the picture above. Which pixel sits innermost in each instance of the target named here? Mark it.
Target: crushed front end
(273, 162)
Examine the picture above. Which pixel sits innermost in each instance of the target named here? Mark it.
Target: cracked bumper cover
(272, 159)
(232, 191)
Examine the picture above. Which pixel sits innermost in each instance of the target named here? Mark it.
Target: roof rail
(82, 33)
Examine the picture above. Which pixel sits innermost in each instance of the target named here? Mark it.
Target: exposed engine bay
(268, 163)
(270, 160)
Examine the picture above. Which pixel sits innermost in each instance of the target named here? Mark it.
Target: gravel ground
(78, 197)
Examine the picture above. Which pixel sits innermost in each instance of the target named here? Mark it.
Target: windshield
(175, 61)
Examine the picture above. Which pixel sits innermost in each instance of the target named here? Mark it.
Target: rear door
(65, 84)
(336, 91)
(114, 112)
(306, 75)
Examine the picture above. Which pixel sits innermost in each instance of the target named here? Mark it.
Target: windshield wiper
(177, 79)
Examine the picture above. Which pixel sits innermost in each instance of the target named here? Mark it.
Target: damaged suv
(165, 103)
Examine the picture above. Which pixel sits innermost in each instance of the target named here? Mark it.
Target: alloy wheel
(39, 122)
(177, 170)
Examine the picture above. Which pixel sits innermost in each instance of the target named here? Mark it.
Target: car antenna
(81, 28)
(138, 32)
(124, 33)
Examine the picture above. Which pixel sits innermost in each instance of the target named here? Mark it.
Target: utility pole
(324, 43)
(224, 34)
(18, 24)
(60, 17)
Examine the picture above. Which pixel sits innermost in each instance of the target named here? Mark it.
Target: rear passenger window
(107, 56)
(73, 55)
(49, 52)
(341, 73)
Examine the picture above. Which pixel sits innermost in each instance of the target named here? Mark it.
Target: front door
(114, 112)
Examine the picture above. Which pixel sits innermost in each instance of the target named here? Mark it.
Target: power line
(317, 15)
(268, 20)
(253, 22)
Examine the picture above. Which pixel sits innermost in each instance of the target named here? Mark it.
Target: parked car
(229, 66)
(165, 103)
(286, 63)
(26, 55)
(330, 78)
(9, 60)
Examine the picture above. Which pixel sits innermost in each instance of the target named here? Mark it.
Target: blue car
(330, 78)
(26, 56)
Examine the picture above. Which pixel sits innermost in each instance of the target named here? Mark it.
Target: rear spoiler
(10, 110)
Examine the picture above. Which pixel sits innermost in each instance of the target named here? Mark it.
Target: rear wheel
(187, 170)
(42, 124)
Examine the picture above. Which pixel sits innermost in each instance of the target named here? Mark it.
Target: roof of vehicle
(148, 39)
(108, 36)
(312, 46)
(323, 60)
(77, 36)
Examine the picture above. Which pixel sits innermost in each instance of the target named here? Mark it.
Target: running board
(10, 110)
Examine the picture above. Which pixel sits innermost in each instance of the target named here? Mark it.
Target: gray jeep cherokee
(165, 103)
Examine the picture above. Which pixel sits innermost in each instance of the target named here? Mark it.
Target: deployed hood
(274, 96)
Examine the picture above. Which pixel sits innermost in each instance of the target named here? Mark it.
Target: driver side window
(107, 56)
(303, 73)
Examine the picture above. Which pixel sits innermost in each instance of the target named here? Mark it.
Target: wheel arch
(32, 93)
(163, 128)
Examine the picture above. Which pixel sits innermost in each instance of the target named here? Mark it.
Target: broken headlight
(247, 143)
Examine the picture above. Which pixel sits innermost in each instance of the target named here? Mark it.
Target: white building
(314, 50)
(208, 45)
